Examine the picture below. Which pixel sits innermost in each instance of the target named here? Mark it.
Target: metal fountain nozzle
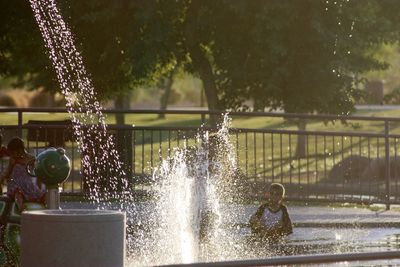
(52, 167)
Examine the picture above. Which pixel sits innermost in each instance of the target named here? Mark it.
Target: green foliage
(22, 54)
(302, 56)
(393, 97)
(388, 53)
(123, 43)
(299, 56)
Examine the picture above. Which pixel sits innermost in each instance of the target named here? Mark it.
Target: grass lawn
(242, 122)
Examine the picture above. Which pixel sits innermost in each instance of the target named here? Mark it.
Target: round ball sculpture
(52, 166)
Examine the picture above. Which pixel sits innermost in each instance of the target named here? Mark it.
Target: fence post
(124, 148)
(387, 164)
(20, 123)
(203, 118)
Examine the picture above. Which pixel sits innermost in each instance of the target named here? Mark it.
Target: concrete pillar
(72, 238)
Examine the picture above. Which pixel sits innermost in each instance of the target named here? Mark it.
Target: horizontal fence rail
(356, 166)
(306, 259)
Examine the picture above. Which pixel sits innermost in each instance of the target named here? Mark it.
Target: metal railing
(301, 259)
(342, 165)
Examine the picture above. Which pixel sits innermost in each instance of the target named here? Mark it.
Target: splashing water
(185, 224)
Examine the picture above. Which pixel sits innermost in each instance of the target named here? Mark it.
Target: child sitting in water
(271, 221)
(21, 186)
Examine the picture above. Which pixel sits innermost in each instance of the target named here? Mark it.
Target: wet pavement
(344, 216)
(317, 230)
(301, 216)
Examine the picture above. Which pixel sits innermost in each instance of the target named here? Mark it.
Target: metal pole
(53, 198)
(20, 123)
(203, 116)
(387, 164)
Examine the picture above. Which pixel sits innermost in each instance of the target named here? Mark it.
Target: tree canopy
(300, 56)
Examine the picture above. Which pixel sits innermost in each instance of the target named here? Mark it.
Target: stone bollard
(72, 238)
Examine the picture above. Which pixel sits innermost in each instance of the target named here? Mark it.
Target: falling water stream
(96, 145)
(101, 166)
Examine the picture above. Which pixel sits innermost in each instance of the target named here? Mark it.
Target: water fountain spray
(193, 184)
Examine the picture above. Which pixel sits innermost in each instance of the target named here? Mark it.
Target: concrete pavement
(301, 216)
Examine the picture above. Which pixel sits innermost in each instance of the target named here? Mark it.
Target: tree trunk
(301, 139)
(259, 105)
(51, 102)
(200, 61)
(166, 86)
(123, 139)
(121, 102)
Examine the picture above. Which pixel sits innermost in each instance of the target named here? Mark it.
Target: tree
(326, 48)
(299, 56)
(166, 85)
(22, 54)
(122, 42)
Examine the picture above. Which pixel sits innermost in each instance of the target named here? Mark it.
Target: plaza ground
(339, 216)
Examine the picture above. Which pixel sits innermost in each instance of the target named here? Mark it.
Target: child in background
(271, 222)
(3, 153)
(3, 150)
(21, 186)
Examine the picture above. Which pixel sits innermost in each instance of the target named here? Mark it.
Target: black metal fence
(357, 161)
